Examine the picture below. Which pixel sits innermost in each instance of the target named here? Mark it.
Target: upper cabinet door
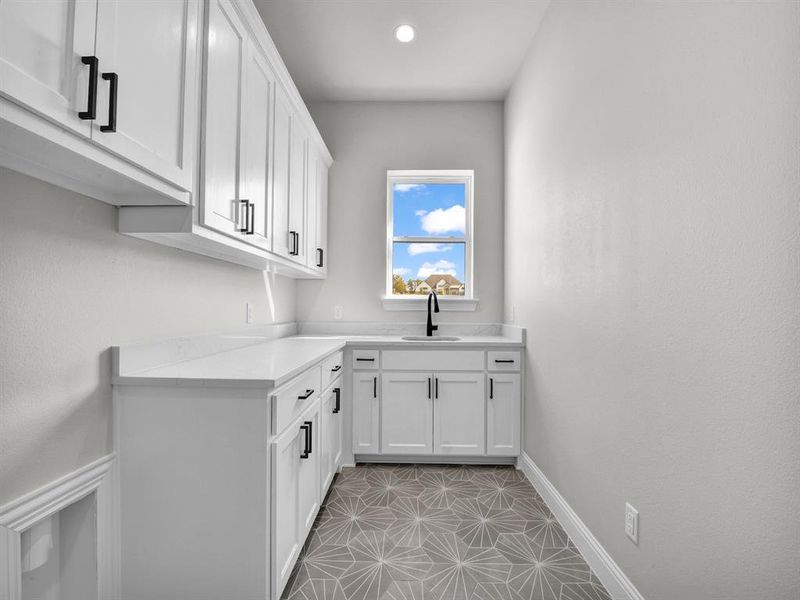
(298, 161)
(317, 211)
(256, 174)
(225, 55)
(41, 47)
(151, 48)
(282, 240)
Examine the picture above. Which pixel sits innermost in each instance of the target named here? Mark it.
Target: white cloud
(407, 187)
(446, 220)
(421, 213)
(440, 267)
(415, 249)
(402, 271)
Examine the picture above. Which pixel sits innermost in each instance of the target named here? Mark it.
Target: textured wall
(368, 138)
(70, 287)
(652, 250)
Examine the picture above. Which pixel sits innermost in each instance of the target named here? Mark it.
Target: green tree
(398, 285)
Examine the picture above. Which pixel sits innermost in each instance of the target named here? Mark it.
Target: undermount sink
(425, 338)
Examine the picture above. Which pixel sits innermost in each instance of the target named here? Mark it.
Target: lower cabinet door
(459, 410)
(503, 415)
(366, 416)
(285, 502)
(407, 413)
(309, 473)
(331, 434)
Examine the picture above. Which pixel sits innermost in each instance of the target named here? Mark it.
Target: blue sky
(425, 210)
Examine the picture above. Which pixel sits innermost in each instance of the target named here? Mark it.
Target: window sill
(420, 303)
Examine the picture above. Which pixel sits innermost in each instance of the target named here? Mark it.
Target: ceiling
(346, 49)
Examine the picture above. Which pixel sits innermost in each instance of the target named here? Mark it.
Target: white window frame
(467, 302)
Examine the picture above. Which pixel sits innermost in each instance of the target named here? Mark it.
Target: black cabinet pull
(504, 360)
(365, 359)
(429, 388)
(374, 387)
(305, 452)
(437, 388)
(310, 437)
(244, 213)
(91, 106)
(336, 368)
(337, 407)
(251, 218)
(307, 396)
(294, 250)
(491, 388)
(320, 256)
(112, 103)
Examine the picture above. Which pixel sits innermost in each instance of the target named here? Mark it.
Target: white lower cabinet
(459, 414)
(331, 430)
(366, 416)
(309, 483)
(407, 409)
(503, 414)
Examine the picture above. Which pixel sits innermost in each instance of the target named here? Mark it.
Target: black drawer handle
(374, 387)
(293, 243)
(113, 80)
(504, 360)
(437, 388)
(336, 368)
(307, 396)
(491, 388)
(337, 407)
(244, 215)
(429, 388)
(365, 359)
(91, 106)
(249, 217)
(305, 452)
(320, 256)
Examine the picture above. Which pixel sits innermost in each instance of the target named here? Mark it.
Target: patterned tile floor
(436, 532)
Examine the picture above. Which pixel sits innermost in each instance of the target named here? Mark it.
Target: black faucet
(431, 326)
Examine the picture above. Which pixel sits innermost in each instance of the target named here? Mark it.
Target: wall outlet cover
(249, 313)
(632, 523)
(338, 312)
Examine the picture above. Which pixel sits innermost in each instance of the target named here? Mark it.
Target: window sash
(466, 177)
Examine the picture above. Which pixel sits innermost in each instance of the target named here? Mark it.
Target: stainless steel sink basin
(435, 338)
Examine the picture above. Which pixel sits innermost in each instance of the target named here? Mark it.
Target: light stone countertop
(272, 363)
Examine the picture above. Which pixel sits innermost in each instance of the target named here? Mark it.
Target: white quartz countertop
(264, 365)
(272, 363)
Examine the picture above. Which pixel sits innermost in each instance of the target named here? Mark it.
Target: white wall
(70, 287)
(366, 139)
(652, 243)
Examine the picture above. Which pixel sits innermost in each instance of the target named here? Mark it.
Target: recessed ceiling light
(404, 33)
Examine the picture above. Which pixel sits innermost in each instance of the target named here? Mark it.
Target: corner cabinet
(436, 403)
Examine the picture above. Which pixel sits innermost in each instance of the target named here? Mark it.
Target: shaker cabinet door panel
(222, 118)
(282, 240)
(459, 414)
(407, 411)
(151, 47)
(309, 474)
(503, 415)
(41, 49)
(286, 539)
(366, 416)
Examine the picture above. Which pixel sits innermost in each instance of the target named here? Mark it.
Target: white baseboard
(20, 514)
(607, 571)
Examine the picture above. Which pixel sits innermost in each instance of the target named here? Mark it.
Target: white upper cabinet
(282, 240)
(42, 49)
(222, 112)
(298, 161)
(317, 225)
(147, 51)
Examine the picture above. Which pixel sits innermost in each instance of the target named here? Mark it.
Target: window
(429, 236)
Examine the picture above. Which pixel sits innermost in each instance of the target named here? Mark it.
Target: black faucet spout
(431, 327)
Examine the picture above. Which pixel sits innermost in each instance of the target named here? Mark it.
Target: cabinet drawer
(504, 360)
(291, 399)
(433, 360)
(331, 369)
(366, 359)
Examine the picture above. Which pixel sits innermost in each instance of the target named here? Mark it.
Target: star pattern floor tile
(438, 532)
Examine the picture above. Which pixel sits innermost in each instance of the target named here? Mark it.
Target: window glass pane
(429, 209)
(420, 268)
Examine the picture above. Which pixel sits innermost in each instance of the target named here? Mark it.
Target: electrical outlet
(338, 311)
(249, 313)
(632, 523)
(513, 314)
